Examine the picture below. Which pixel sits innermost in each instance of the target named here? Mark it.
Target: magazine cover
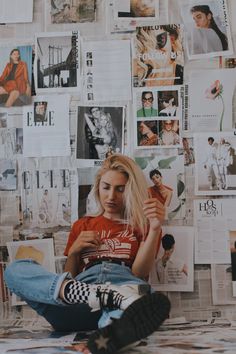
(207, 28)
(15, 75)
(158, 58)
(58, 65)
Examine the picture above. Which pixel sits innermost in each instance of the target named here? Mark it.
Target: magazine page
(17, 91)
(16, 11)
(165, 178)
(46, 127)
(107, 70)
(213, 219)
(212, 110)
(173, 267)
(221, 280)
(99, 132)
(215, 163)
(158, 58)
(207, 28)
(48, 198)
(57, 55)
(158, 117)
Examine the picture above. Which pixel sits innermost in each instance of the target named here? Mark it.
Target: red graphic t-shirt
(118, 241)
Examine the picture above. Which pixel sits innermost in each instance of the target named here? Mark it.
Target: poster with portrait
(212, 110)
(173, 266)
(86, 200)
(165, 178)
(207, 28)
(215, 163)
(232, 249)
(99, 133)
(76, 11)
(40, 250)
(158, 58)
(16, 88)
(57, 55)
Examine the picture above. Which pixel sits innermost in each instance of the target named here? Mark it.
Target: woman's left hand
(154, 211)
(28, 90)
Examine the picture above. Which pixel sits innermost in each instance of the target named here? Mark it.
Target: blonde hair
(135, 189)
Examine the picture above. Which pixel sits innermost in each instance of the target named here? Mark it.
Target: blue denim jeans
(40, 289)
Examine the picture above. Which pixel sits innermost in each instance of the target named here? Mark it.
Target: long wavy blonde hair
(135, 189)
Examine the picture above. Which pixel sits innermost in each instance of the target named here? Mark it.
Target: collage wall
(83, 79)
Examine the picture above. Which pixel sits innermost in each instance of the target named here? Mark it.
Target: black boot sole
(138, 321)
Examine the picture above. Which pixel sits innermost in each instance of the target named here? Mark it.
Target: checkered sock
(76, 292)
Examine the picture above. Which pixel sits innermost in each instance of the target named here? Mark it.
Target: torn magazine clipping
(46, 127)
(207, 28)
(158, 57)
(57, 55)
(107, 70)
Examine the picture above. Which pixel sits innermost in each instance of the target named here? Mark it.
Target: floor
(175, 336)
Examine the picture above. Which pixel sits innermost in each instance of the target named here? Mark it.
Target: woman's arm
(86, 239)
(155, 213)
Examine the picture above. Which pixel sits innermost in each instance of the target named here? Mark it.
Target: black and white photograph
(58, 65)
(215, 163)
(99, 132)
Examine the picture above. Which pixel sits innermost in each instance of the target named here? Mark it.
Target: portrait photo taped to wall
(158, 58)
(76, 11)
(207, 28)
(58, 66)
(173, 267)
(215, 163)
(100, 132)
(166, 181)
(15, 75)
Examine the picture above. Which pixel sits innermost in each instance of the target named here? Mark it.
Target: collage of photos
(159, 117)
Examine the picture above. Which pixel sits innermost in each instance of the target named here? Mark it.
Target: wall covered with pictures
(152, 79)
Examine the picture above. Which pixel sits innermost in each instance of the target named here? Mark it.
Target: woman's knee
(13, 272)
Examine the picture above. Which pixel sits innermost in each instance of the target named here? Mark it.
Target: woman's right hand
(86, 239)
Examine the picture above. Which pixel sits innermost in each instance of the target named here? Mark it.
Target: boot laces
(108, 298)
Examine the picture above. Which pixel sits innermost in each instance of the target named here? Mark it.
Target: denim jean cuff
(62, 277)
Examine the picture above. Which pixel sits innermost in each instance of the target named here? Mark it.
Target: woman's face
(144, 129)
(103, 120)
(168, 125)
(147, 100)
(111, 193)
(201, 20)
(157, 180)
(96, 112)
(15, 56)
